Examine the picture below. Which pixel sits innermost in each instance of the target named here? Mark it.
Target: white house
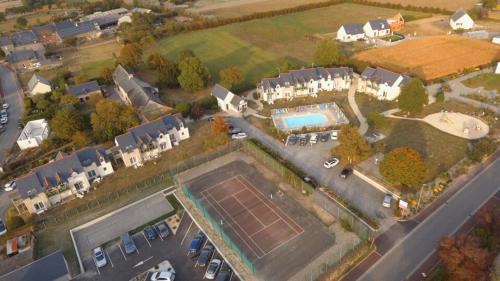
(228, 101)
(350, 32)
(39, 85)
(496, 40)
(461, 20)
(377, 28)
(497, 69)
(304, 82)
(33, 134)
(381, 83)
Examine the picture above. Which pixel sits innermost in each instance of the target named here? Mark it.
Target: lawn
(92, 58)
(367, 104)
(489, 81)
(33, 20)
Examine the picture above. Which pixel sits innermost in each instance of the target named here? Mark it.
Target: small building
(52, 267)
(24, 60)
(65, 177)
(21, 41)
(147, 141)
(381, 83)
(82, 30)
(396, 23)
(33, 134)
(85, 90)
(39, 85)
(350, 32)
(461, 20)
(47, 34)
(227, 101)
(496, 40)
(377, 28)
(128, 17)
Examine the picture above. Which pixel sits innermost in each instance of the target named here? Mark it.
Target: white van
(313, 139)
(335, 134)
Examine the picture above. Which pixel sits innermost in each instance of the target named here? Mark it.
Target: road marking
(96, 267)
(144, 235)
(122, 252)
(109, 257)
(185, 235)
(142, 262)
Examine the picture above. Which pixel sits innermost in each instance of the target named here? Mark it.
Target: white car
(163, 276)
(99, 257)
(4, 120)
(313, 139)
(3, 229)
(335, 135)
(387, 200)
(10, 186)
(239, 136)
(213, 268)
(5, 106)
(332, 162)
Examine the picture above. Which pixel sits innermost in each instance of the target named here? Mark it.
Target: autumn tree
(413, 96)
(404, 166)
(352, 147)
(230, 77)
(479, 149)
(111, 119)
(66, 123)
(80, 139)
(130, 55)
(107, 75)
(82, 78)
(21, 21)
(69, 99)
(196, 112)
(167, 70)
(326, 53)
(193, 75)
(219, 125)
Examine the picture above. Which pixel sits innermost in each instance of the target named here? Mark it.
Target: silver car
(213, 268)
(387, 200)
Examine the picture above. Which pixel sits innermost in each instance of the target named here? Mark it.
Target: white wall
(464, 22)
(367, 28)
(41, 88)
(380, 91)
(344, 37)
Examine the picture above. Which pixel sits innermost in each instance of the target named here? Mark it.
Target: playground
(458, 124)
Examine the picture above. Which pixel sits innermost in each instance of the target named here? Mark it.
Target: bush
(376, 120)
(346, 225)
(256, 95)
(440, 96)
(183, 108)
(13, 220)
(481, 148)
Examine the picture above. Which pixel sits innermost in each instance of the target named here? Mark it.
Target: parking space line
(144, 235)
(232, 273)
(122, 252)
(96, 267)
(137, 250)
(185, 235)
(109, 257)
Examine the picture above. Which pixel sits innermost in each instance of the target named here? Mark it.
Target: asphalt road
(11, 95)
(311, 158)
(407, 255)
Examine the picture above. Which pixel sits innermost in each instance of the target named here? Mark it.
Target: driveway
(310, 159)
(11, 94)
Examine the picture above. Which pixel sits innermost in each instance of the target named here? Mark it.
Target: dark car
(302, 140)
(3, 229)
(224, 274)
(292, 140)
(196, 243)
(205, 255)
(150, 232)
(312, 182)
(345, 173)
(235, 131)
(324, 137)
(128, 243)
(162, 229)
(20, 125)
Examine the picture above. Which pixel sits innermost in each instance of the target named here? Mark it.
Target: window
(163, 146)
(133, 160)
(105, 169)
(91, 174)
(39, 206)
(79, 185)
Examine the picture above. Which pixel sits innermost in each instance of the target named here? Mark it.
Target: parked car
(302, 140)
(150, 232)
(324, 137)
(213, 268)
(205, 255)
(128, 243)
(99, 257)
(224, 274)
(4, 112)
(292, 139)
(163, 276)
(3, 229)
(196, 243)
(4, 120)
(10, 185)
(387, 200)
(312, 182)
(162, 229)
(2, 128)
(332, 162)
(346, 172)
(335, 134)
(20, 125)
(313, 139)
(5, 106)
(235, 131)
(239, 136)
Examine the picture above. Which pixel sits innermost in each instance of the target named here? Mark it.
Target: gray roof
(138, 91)
(458, 14)
(42, 30)
(70, 28)
(379, 24)
(84, 89)
(236, 100)
(5, 40)
(220, 92)
(303, 76)
(22, 56)
(49, 268)
(381, 76)
(50, 174)
(149, 131)
(353, 28)
(24, 38)
(35, 79)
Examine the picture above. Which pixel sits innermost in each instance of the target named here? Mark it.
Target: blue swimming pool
(310, 120)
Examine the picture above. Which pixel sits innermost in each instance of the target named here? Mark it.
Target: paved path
(363, 127)
(407, 255)
(11, 93)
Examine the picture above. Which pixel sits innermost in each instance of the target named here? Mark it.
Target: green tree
(111, 119)
(80, 139)
(2, 16)
(376, 120)
(183, 108)
(404, 166)
(184, 55)
(82, 78)
(326, 53)
(230, 77)
(13, 222)
(479, 149)
(352, 147)
(42, 104)
(167, 70)
(193, 74)
(65, 123)
(2, 54)
(490, 4)
(21, 21)
(70, 41)
(107, 75)
(283, 65)
(440, 96)
(413, 96)
(130, 55)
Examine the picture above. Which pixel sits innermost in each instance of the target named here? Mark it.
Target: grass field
(91, 59)
(433, 57)
(255, 46)
(34, 19)
(489, 81)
